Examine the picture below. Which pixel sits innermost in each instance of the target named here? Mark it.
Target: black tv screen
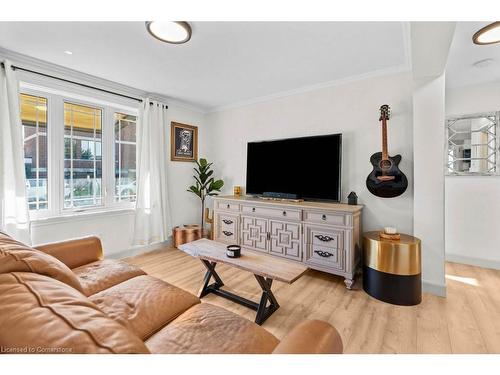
(308, 167)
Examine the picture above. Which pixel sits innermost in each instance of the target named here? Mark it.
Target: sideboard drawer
(325, 218)
(227, 228)
(325, 256)
(324, 236)
(284, 213)
(227, 206)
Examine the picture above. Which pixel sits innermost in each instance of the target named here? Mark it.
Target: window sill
(81, 216)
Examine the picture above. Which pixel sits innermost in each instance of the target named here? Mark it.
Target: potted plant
(205, 185)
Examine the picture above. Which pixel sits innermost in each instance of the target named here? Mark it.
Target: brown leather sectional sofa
(65, 298)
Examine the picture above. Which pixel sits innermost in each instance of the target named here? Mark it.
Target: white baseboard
(479, 262)
(139, 250)
(432, 288)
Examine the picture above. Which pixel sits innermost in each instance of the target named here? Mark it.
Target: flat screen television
(309, 167)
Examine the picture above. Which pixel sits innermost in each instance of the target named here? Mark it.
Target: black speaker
(272, 194)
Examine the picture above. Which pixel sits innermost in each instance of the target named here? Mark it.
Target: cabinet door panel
(254, 233)
(285, 239)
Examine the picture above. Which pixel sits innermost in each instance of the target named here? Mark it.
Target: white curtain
(152, 216)
(14, 215)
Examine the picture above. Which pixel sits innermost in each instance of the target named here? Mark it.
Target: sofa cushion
(76, 252)
(41, 315)
(17, 257)
(209, 329)
(144, 304)
(97, 276)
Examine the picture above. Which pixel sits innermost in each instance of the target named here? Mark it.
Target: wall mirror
(472, 144)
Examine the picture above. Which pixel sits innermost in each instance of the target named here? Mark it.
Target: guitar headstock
(385, 112)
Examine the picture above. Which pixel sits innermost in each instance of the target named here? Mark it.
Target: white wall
(472, 205)
(116, 229)
(351, 109)
(428, 132)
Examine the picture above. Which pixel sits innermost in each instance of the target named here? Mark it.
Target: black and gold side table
(392, 269)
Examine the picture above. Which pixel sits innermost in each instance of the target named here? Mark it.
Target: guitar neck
(385, 154)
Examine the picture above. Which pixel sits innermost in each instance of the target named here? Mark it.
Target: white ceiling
(224, 63)
(460, 70)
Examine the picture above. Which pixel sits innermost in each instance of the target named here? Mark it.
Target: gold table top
(399, 257)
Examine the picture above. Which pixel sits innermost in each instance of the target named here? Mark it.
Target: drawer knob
(323, 217)
(324, 254)
(228, 206)
(226, 233)
(253, 209)
(284, 213)
(225, 221)
(323, 238)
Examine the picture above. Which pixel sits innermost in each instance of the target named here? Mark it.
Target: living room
(246, 185)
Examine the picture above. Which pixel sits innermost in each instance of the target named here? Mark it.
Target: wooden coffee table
(265, 268)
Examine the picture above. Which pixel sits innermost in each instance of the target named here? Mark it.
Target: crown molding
(46, 67)
(338, 82)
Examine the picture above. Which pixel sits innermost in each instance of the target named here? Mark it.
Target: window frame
(124, 112)
(55, 149)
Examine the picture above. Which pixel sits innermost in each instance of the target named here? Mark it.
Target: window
(82, 156)
(34, 123)
(125, 157)
(85, 160)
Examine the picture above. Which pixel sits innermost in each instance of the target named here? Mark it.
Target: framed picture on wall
(183, 142)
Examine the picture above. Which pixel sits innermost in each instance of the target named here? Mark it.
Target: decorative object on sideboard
(186, 233)
(352, 198)
(390, 233)
(205, 185)
(237, 191)
(392, 270)
(233, 251)
(386, 180)
(183, 142)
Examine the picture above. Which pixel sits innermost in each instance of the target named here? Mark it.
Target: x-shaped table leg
(265, 308)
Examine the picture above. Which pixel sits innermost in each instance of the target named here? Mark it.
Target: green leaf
(208, 183)
(217, 185)
(197, 180)
(195, 190)
(203, 162)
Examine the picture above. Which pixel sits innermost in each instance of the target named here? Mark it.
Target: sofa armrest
(311, 337)
(75, 253)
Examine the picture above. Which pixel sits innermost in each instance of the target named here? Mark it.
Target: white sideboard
(324, 236)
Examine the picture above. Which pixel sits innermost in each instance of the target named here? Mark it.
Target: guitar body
(386, 180)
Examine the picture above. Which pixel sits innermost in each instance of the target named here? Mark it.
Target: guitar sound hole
(385, 165)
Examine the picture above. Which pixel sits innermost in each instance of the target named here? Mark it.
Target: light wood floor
(467, 321)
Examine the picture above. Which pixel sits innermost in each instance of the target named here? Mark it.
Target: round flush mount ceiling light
(175, 32)
(488, 35)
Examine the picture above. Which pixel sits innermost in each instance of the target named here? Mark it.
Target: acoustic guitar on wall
(386, 180)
